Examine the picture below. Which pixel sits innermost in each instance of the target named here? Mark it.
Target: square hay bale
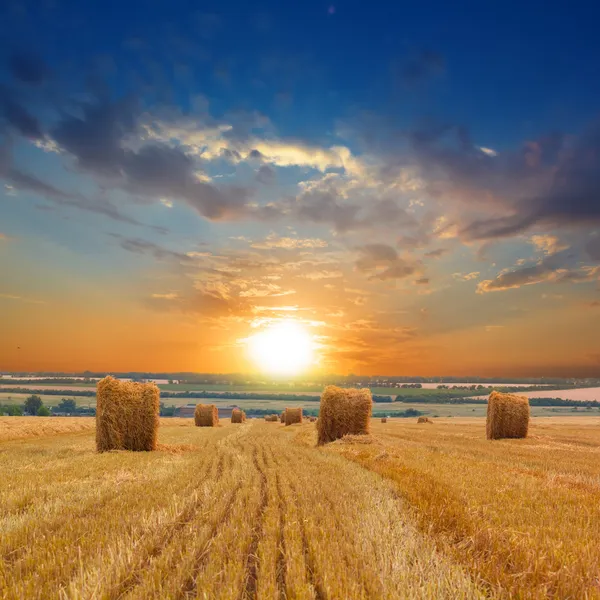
(237, 415)
(343, 411)
(293, 415)
(424, 420)
(206, 415)
(127, 415)
(507, 416)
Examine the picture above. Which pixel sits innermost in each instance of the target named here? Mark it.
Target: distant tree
(67, 405)
(43, 411)
(33, 404)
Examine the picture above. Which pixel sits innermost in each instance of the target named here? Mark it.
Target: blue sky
(418, 185)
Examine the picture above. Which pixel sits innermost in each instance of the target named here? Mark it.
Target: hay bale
(343, 412)
(282, 417)
(312, 419)
(243, 416)
(206, 415)
(272, 418)
(293, 415)
(507, 416)
(384, 419)
(127, 415)
(237, 416)
(424, 420)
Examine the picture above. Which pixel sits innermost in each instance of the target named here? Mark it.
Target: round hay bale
(384, 419)
(272, 418)
(424, 420)
(293, 415)
(127, 415)
(237, 416)
(206, 415)
(343, 411)
(507, 416)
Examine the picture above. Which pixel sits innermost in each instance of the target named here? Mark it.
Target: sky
(416, 186)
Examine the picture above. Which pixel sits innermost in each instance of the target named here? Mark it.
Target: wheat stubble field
(257, 511)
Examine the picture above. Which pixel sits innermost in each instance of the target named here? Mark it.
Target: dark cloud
(95, 136)
(328, 207)
(98, 137)
(256, 154)
(382, 262)
(139, 246)
(550, 269)
(592, 248)
(266, 175)
(30, 183)
(17, 116)
(28, 68)
(554, 180)
(437, 253)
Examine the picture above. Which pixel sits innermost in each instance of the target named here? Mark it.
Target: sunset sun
(284, 348)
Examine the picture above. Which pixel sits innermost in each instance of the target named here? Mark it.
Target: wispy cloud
(466, 276)
(21, 299)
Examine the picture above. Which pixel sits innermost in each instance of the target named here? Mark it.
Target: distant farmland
(579, 394)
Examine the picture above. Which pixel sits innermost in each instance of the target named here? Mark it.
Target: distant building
(187, 411)
(225, 411)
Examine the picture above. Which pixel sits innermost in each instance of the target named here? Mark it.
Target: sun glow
(284, 348)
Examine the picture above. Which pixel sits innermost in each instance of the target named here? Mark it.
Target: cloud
(382, 262)
(592, 248)
(21, 299)
(548, 244)
(466, 276)
(97, 138)
(437, 253)
(27, 182)
(547, 270)
(552, 181)
(266, 175)
(28, 68)
(139, 246)
(205, 305)
(17, 116)
(274, 241)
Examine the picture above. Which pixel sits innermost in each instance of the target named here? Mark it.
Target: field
(257, 511)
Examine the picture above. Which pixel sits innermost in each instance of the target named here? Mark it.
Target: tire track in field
(280, 573)
(311, 567)
(320, 593)
(185, 517)
(251, 575)
(188, 587)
